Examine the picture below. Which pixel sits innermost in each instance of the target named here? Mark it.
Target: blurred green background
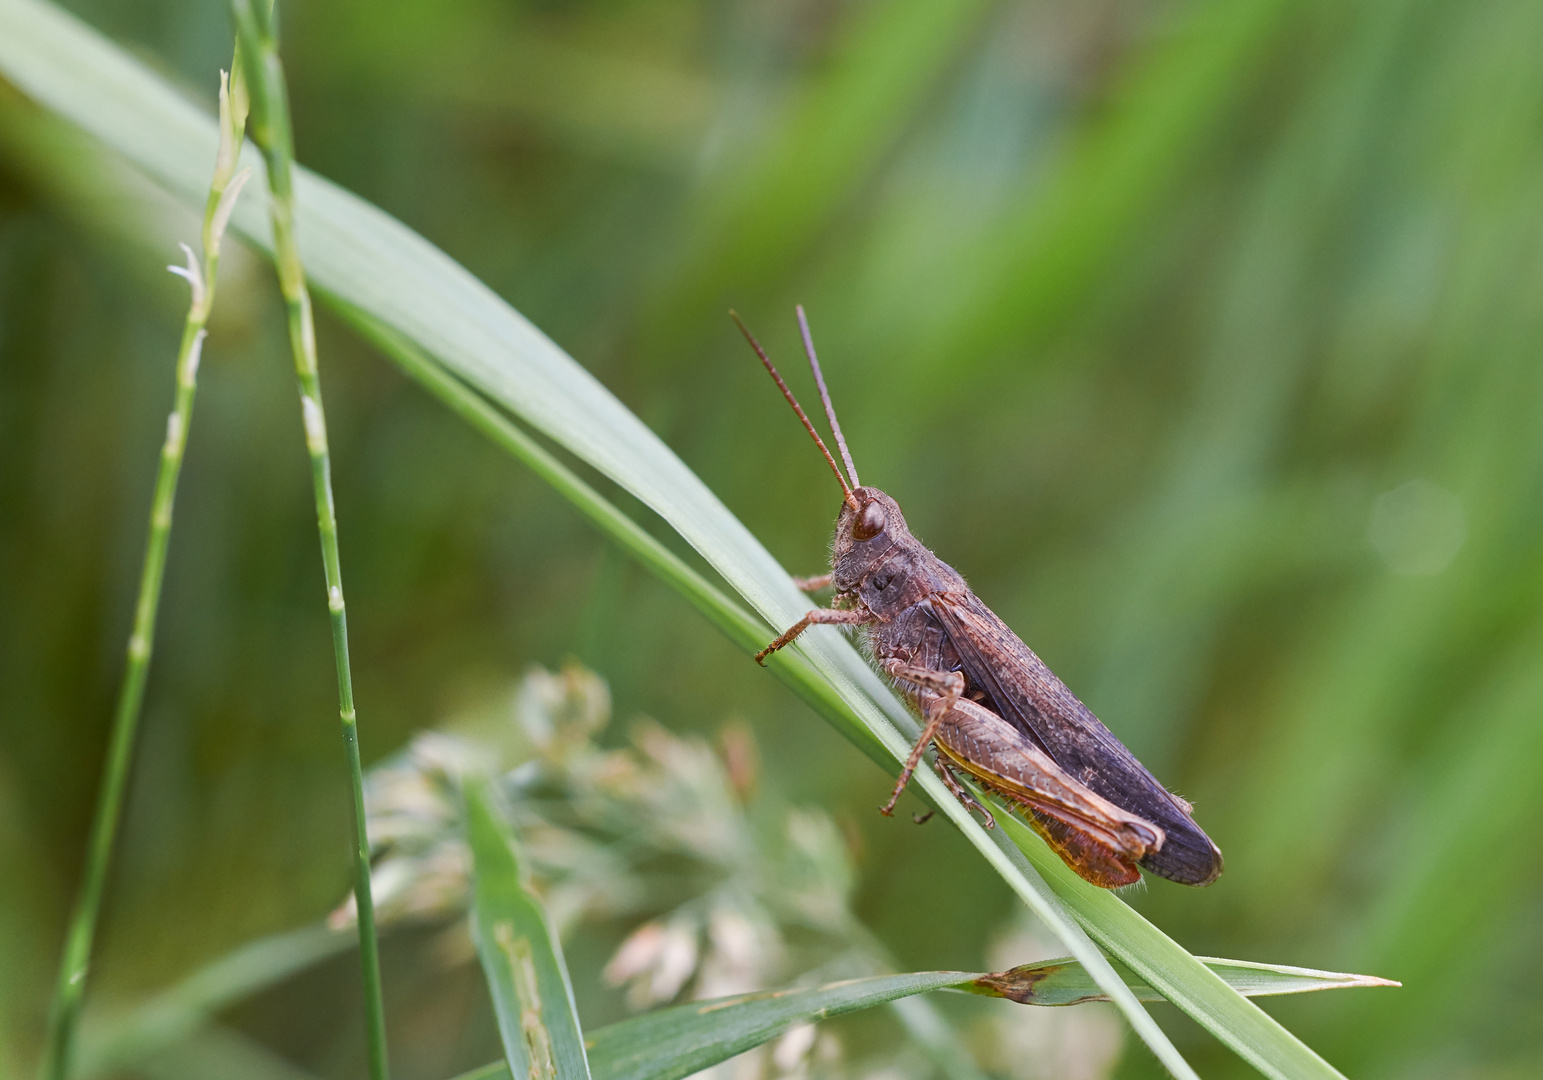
(1202, 337)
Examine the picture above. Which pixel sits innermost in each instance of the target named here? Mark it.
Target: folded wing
(1016, 684)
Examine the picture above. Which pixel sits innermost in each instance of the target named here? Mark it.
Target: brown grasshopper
(992, 707)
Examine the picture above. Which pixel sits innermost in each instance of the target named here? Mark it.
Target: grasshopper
(992, 707)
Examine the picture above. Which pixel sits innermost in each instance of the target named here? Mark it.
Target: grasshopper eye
(869, 523)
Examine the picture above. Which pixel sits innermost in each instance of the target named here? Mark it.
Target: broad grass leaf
(671, 1043)
(520, 955)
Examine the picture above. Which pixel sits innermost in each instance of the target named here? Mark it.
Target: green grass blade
(672, 1043)
(223, 1052)
(1165, 966)
(1066, 982)
(271, 132)
(760, 214)
(520, 954)
(1254, 979)
(360, 255)
(173, 1015)
(75, 961)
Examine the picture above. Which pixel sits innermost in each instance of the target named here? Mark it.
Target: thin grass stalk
(272, 133)
(69, 991)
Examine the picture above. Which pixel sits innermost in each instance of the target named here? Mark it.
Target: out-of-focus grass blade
(765, 211)
(176, 1013)
(219, 1052)
(520, 954)
(1031, 269)
(359, 255)
(1448, 889)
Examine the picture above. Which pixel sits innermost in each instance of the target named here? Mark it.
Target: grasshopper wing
(1021, 689)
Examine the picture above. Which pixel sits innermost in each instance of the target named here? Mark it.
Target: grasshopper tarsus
(922, 819)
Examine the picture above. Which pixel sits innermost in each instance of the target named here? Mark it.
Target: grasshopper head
(869, 526)
(875, 557)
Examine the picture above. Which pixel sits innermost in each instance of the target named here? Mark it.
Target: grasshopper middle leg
(970, 802)
(948, 684)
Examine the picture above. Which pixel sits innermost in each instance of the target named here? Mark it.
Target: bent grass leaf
(1066, 982)
(520, 955)
(1162, 962)
(360, 256)
(672, 1043)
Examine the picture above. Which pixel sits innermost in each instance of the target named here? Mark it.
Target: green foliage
(484, 342)
(1149, 318)
(739, 892)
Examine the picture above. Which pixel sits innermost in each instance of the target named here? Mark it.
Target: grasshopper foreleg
(817, 617)
(951, 685)
(813, 584)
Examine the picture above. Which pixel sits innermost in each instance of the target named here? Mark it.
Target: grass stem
(271, 132)
(70, 989)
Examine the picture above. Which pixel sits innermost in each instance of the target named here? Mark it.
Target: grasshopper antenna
(830, 410)
(850, 499)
